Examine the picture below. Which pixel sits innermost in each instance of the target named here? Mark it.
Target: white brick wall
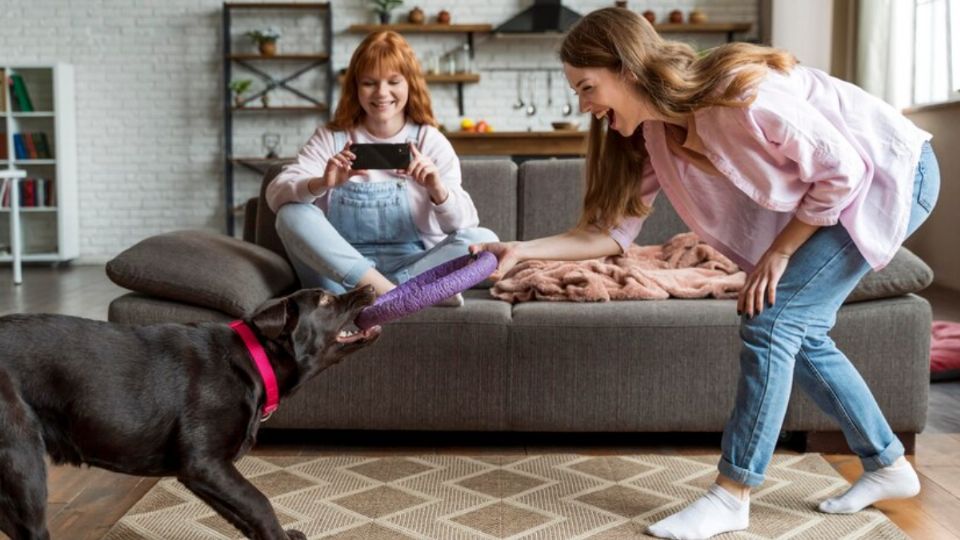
(148, 79)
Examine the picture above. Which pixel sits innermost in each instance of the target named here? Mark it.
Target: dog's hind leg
(23, 473)
(221, 485)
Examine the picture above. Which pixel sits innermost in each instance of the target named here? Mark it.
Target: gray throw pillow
(203, 269)
(905, 274)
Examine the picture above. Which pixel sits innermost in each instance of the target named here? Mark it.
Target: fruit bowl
(564, 126)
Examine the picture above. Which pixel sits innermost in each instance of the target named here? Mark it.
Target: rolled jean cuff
(737, 474)
(356, 272)
(885, 458)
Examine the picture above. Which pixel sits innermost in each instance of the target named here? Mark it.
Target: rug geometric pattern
(550, 496)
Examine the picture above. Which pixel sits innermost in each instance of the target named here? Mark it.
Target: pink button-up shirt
(809, 146)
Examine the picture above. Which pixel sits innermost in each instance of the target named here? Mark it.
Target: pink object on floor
(945, 351)
(684, 267)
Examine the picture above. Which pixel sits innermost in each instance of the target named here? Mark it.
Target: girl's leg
(320, 255)
(453, 246)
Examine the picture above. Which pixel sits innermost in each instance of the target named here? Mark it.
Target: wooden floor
(85, 503)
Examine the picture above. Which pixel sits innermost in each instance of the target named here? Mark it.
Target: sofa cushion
(136, 308)
(905, 274)
(203, 269)
(492, 184)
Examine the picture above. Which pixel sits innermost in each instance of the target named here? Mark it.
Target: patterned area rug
(551, 496)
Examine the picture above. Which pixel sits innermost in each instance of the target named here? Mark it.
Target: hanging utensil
(531, 107)
(519, 104)
(568, 108)
(549, 90)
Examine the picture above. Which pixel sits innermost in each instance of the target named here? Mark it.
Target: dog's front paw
(296, 535)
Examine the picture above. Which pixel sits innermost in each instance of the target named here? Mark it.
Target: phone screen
(381, 156)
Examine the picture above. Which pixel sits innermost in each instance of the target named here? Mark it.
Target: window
(936, 66)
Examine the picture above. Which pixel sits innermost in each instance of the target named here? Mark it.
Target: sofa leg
(832, 442)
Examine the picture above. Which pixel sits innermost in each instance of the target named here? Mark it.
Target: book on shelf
(5, 193)
(18, 91)
(3, 146)
(42, 144)
(28, 143)
(33, 193)
(3, 91)
(19, 150)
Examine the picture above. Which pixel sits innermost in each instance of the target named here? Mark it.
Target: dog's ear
(275, 317)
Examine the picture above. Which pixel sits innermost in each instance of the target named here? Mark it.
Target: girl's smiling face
(605, 93)
(383, 96)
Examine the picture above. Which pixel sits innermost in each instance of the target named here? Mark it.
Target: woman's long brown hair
(378, 53)
(672, 77)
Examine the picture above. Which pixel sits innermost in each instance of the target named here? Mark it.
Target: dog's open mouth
(354, 335)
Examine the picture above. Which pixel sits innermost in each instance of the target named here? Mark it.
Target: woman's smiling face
(606, 93)
(383, 96)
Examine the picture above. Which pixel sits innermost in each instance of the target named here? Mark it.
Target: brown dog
(180, 400)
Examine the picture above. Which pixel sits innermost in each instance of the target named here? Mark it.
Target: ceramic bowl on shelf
(564, 126)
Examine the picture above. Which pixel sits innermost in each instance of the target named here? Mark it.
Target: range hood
(543, 16)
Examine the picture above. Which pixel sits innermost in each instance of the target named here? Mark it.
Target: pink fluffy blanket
(684, 267)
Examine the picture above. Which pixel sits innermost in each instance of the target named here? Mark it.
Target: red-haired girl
(342, 227)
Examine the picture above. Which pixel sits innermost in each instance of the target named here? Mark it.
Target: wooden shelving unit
(255, 64)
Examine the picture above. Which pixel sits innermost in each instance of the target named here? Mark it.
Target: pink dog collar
(259, 358)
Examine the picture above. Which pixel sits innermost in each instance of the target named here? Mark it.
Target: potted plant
(239, 86)
(383, 8)
(266, 40)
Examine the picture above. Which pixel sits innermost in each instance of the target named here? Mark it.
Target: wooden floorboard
(84, 503)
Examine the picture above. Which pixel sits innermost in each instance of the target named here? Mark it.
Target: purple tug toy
(430, 287)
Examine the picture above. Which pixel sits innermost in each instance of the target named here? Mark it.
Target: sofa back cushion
(551, 196)
(492, 184)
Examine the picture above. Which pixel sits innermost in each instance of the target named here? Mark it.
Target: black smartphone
(380, 156)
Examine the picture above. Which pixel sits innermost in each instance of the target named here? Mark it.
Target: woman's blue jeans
(789, 340)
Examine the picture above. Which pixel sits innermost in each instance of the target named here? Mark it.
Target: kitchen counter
(519, 143)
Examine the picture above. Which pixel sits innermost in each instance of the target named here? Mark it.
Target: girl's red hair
(378, 53)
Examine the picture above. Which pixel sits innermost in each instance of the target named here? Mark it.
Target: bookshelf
(48, 218)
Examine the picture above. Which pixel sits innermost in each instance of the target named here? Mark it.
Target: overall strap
(415, 134)
(339, 140)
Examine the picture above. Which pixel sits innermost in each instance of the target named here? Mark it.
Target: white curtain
(885, 50)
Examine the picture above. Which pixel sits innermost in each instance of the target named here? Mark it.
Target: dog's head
(316, 327)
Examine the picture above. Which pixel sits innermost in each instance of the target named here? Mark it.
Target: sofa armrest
(203, 269)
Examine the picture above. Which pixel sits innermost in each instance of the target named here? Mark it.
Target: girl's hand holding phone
(337, 172)
(425, 172)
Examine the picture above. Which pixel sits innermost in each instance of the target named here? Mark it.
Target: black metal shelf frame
(324, 12)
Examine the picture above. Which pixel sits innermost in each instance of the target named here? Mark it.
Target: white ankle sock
(717, 512)
(896, 481)
(454, 301)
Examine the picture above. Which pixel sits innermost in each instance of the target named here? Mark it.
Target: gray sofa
(636, 366)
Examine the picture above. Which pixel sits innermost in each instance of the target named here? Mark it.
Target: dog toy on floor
(430, 287)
